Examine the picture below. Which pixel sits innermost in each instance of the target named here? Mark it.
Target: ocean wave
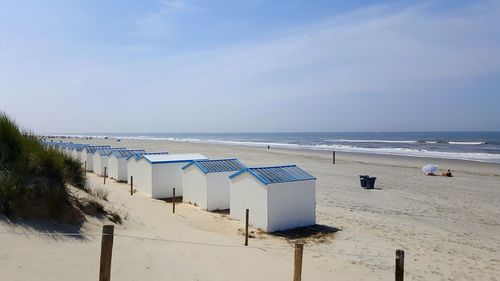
(480, 157)
(372, 141)
(407, 141)
(467, 142)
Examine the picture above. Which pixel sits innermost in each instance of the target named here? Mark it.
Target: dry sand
(448, 227)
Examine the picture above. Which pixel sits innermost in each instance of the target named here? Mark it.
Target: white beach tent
(278, 198)
(117, 163)
(430, 169)
(100, 160)
(131, 164)
(87, 156)
(160, 173)
(206, 182)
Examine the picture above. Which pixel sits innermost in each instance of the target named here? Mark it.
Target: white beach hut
(206, 182)
(131, 165)
(77, 151)
(117, 163)
(162, 172)
(68, 149)
(100, 160)
(278, 198)
(87, 156)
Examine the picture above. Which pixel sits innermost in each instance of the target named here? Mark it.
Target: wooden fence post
(246, 227)
(105, 172)
(173, 201)
(297, 266)
(333, 157)
(400, 265)
(131, 185)
(85, 166)
(106, 252)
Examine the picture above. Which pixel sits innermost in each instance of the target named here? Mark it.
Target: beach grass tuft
(33, 177)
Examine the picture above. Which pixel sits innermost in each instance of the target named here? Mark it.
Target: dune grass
(33, 178)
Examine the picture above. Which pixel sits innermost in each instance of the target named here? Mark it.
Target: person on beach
(447, 174)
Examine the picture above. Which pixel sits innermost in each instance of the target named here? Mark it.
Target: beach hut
(206, 182)
(87, 155)
(68, 149)
(117, 163)
(77, 151)
(278, 198)
(161, 172)
(100, 160)
(131, 164)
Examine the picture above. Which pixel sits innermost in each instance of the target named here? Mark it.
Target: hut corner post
(246, 226)
(297, 266)
(131, 185)
(106, 252)
(173, 200)
(400, 263)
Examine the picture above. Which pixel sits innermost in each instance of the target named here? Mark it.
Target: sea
(474, 146)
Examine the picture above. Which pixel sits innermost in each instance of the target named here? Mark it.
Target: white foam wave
(373, 141)
(466, 142)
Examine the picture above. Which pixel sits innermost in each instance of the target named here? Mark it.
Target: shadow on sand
(42, 228)
(315, 232)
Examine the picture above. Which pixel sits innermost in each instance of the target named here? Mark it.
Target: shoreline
(412, 152)
(491, 167)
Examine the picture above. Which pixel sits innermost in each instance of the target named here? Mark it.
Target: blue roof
(80, 147)
(217, 166)
(92, 149)
(277, 174)
(107, 150)
(123, 153)
(140, 154)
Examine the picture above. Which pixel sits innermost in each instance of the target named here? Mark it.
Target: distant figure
(447, 174)
(268, 146)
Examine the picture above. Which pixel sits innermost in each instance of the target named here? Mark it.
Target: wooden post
(297, 266)
(333, 157)
(246, 227)
(173, 201)
(85, 166)
(131, 185)
(105, 175)
(106, 252)
(400, 265)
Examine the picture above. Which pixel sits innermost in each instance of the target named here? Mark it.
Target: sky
(250, 65)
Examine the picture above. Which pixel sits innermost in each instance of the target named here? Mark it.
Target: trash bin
(362, 180)
(370, 182)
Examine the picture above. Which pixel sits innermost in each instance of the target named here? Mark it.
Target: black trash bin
(370, 182)
(362, 180)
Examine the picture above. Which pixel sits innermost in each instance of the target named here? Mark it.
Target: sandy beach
(448, 227)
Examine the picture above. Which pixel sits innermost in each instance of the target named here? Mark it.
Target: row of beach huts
(278, 197)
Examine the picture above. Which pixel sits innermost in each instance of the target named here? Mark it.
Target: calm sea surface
(477, 146)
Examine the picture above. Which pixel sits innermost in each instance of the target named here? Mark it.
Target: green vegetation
(34, 178)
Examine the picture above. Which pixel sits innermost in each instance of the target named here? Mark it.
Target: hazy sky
(250, 65)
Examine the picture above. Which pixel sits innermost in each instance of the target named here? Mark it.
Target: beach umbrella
(430, 169)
